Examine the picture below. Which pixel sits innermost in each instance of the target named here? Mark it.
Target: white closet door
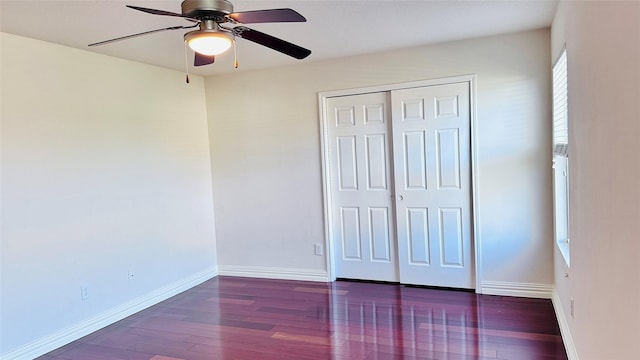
(431, 157)
(361, 202)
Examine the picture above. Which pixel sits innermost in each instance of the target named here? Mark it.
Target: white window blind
(561, 156)
(560, 107)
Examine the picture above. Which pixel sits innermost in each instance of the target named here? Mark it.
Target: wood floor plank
(319, 290)
(323, 340)
(244, 318)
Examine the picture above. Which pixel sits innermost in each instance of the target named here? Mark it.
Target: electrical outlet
(132, 275)
(84, 292)
(317, 249)
(572, 306)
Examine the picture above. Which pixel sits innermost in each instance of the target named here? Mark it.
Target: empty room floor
(258, 319)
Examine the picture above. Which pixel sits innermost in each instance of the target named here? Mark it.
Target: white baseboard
(530, 290)
(53, 341)
(274, 273)
(569, 345)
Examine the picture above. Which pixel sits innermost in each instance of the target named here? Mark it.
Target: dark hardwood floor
(258, 319)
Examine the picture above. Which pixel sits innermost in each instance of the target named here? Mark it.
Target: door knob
(400, 197)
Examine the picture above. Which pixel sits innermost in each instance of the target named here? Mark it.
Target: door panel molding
(441, 107)
(442, 152)
(365, 248)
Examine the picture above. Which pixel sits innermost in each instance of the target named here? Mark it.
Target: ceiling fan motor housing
(206, 9)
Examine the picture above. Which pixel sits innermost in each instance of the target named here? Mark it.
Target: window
(561, 156)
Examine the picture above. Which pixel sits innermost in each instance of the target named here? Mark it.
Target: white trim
(60, 338)
(529, 290)
(328, 244)
(326, 176)
(475, 184)
(569, 345)
(274, 273)
(397, 86)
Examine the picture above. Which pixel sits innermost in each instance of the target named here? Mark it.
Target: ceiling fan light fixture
(209, 42)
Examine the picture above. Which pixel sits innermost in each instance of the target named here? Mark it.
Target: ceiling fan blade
(155, 11)
(140, 34)
(269, 41)
(266, 16)
(201, 59)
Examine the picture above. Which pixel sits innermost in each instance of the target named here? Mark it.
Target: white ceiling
(333, 28)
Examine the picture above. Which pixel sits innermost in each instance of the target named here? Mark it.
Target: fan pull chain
(235, 54)
(186, 61)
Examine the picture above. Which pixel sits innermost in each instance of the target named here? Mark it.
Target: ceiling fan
(218, 26)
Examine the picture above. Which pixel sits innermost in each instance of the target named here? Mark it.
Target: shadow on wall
(512, 163)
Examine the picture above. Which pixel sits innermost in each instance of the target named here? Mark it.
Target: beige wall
(603, 50)
(105, 168)
(265, 146)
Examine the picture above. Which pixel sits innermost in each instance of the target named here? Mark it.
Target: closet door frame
(326, 174)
